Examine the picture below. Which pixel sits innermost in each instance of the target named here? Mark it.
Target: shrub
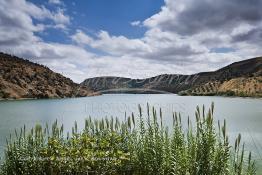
(135, 147)
(230, 93)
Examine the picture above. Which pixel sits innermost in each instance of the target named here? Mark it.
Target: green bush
(183, 93)
(135, 147)
(230, 93)
(243, 94)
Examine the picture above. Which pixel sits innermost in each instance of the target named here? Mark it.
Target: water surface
(243, 115)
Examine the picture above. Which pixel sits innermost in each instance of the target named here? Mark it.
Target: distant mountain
(242, 78)
(21, 78)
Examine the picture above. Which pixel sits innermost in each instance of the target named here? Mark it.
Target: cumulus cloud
(113, 45)
(81, 38)
(188, 17)
(60, 18)
(17, 21)
(212, 24)
(155, 45)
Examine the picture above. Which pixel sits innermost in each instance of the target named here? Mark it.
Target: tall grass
(139, 145)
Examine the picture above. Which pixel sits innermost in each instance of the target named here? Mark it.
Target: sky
(131, 38)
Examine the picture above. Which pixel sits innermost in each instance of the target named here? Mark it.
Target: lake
(243, 115)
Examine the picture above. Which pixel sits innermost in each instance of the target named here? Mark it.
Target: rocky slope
(241, 78)
(21, 78)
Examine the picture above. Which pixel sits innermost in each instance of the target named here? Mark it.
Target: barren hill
(21, 78)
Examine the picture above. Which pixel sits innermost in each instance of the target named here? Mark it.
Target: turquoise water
(243, 115)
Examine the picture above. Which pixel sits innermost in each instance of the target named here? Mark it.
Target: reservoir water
(243, 115)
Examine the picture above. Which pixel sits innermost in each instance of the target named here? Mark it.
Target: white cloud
(242, 29)
(19, 14)
(54, 1)
(60, 18)
(113, 45)
(81, 38)
(17, 25)
(135, 23)
(155, 45)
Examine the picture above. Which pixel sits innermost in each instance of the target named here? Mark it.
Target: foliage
(136, 146)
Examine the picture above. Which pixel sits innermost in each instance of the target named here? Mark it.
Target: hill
(23, 79)
(240, 78)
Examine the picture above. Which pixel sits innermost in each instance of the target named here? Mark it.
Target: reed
(140, 145)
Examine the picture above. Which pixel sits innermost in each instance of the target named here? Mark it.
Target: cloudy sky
(131, 38)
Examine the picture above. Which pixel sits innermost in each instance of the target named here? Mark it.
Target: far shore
(115, 92)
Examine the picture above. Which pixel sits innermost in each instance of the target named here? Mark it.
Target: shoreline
(98, 94)
(51, 98)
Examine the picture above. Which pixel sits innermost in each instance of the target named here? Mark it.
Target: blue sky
(131, 38)
(113, 16)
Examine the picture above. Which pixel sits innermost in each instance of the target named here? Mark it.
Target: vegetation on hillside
(135, 146)
(243, 87)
